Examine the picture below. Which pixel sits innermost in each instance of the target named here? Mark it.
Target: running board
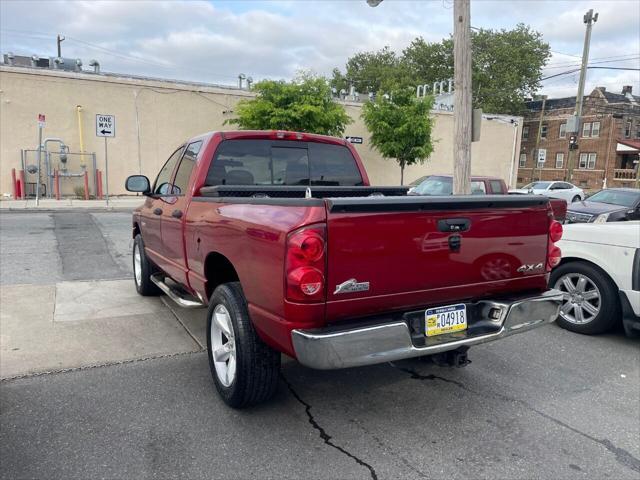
(181, 298)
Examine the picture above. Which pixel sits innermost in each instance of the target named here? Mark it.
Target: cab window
(162, 185)
(181, 182)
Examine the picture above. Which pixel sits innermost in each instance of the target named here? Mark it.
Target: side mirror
(138, 184)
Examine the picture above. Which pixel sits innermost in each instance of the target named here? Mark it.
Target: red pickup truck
(280, 234)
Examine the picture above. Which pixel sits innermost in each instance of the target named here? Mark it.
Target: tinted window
(162, 186)
(496, 186)
(616, 197)
(267, 162)
(186, 167)
(333, 165)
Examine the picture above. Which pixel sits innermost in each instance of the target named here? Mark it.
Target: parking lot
(98, 382)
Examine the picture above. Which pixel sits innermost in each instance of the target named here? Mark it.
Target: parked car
(280, 234)
(443, 185)
(599, 277)
(564, 190)
(608, 205)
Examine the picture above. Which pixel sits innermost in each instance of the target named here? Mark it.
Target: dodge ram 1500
(281, 235)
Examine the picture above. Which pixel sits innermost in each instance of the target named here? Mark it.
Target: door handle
(157, 211)
(176, 214)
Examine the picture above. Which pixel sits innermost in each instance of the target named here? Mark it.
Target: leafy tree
(371, 72)
(507, 67)
(400, 127)
(303, 105)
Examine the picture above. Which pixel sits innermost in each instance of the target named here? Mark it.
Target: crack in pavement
(622, 456)
(326, 438)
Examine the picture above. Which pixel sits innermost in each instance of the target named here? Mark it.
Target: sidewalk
(115, 203)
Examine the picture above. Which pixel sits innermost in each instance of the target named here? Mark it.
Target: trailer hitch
(457, 358)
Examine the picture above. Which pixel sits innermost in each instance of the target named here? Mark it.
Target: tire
(595, 307)
(247, 370)
(576, 199)
(143, 269)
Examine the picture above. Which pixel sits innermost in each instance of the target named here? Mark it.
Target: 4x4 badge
(530, 268)
(351, 285)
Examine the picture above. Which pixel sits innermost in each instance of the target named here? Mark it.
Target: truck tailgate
(420, 251)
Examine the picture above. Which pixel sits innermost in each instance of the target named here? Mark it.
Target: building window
(523, 159)
(559, 160)
(542, 157)
(638, 132)
(543, 131)
(563, 130)
(595, 129)
(525, 132)
(588, 161)
(586, 129)
(627, 129)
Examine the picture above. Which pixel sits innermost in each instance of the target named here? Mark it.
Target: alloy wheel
(223, 345)
(581, 298)
(137, 265)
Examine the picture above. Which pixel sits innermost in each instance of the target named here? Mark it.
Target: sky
(213, 41)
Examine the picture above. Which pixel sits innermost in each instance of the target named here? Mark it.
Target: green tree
(507, 67)
(400, 127)
(303, 105)
(371, 72)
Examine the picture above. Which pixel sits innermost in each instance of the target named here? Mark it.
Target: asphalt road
(545, 404)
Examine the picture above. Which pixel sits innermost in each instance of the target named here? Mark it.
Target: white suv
(600, 277)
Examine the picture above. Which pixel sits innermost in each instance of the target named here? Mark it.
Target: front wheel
(576, 199)
(143, 269)
(245, 370)
(590, 301)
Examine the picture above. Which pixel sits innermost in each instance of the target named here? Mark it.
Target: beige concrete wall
(153, 117)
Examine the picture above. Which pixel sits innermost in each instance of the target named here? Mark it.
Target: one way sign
(105, 125)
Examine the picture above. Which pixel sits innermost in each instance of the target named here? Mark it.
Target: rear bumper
(379, 342)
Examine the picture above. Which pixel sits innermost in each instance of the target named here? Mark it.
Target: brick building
(608, 140)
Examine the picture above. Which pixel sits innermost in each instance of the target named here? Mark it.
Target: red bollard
(56, 184)
(86, 185)
(99, 182)
(23, 186)
(14, 185)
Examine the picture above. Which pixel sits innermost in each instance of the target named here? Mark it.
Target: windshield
(537, 186)
(435, 186)
(616, 197)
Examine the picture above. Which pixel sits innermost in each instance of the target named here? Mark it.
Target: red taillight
(554, 254)
(555, 231)
(305, 265)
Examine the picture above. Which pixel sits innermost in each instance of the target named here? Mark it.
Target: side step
(177, 295)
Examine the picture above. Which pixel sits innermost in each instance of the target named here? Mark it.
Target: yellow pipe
(79, 112)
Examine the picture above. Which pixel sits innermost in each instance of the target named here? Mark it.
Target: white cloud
(214, 41)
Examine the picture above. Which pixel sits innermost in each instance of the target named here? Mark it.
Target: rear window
(269, 162)
(496, 186)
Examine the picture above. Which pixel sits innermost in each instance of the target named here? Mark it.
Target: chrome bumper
(342, 347)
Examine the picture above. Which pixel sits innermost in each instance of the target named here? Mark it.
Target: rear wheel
(590, 303)
(245, 370)
(143, 269)
(576, 199)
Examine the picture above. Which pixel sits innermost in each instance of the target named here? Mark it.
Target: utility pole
(59, 40)
(462, 97)
(589, 19)
(537, 150)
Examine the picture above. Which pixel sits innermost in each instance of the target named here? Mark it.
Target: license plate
(447, 319)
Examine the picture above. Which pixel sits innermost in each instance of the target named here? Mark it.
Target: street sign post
(41, 124)
(106, 127)
(357, 140)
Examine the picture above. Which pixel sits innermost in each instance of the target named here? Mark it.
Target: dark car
(608, 205)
